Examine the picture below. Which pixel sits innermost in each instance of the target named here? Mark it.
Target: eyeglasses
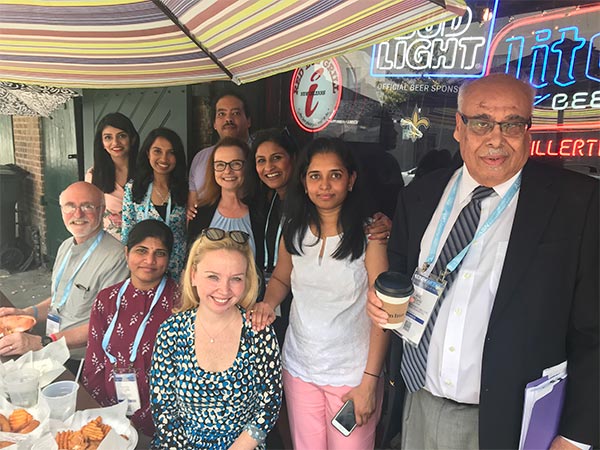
(481, 127)
(236, 165)
(216, 234)
(69, 208)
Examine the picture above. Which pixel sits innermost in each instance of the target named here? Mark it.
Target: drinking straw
(79, 371)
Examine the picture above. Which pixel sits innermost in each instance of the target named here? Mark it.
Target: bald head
(83, 190)
(496, 82)
(82, 206)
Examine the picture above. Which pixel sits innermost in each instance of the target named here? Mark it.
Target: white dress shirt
(456, 347)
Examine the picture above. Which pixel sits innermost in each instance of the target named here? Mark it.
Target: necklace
(163, 198)
(211, 337)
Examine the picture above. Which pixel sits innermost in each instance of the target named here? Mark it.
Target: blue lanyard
(140, 331)
(149, 202)
(277, 236)
(63, 266)
(452, 265)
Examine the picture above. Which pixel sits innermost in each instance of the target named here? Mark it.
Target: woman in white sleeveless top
(331, 352)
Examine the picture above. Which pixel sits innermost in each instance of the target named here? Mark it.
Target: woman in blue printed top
(215, 383)
(159, 191)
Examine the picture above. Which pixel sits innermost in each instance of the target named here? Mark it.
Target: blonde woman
(215, 383)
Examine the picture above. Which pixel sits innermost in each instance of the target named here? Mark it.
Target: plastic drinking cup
(61, 398)
(22, 387)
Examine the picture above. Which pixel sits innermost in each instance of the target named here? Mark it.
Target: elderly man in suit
(524, 297)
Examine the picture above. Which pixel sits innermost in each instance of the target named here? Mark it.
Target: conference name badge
(427, 292)
(53, 323)
(127, 389)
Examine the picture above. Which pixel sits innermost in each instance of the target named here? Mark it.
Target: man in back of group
(231, 118)
(85, 264)
(523, 299)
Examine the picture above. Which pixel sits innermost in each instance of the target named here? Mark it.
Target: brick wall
(29, 155)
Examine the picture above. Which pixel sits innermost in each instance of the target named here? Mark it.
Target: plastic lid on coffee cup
(394, 284)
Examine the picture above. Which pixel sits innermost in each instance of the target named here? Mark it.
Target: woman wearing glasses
(124, 321)
(116, 144)
(159, 191)
(215, 383)
(223, 202)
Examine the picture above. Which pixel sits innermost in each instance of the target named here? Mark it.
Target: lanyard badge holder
(148, 205)
(427, 293)
(429, 289)
(126, 385)
(267, 273)
(54, 320)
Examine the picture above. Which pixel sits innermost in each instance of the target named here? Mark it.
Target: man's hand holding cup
(389, 300)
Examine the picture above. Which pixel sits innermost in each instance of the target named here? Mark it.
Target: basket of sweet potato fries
(88, 437)
(20, 422)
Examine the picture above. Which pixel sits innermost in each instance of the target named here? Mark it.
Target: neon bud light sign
(456, 48)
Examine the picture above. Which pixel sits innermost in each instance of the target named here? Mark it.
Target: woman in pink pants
(331, 352)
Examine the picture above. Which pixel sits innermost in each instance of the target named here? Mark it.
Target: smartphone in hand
(344, 421)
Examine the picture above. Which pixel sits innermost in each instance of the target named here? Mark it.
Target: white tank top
(327, 340)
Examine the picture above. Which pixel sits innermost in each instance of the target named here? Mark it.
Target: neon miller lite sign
(554, 59)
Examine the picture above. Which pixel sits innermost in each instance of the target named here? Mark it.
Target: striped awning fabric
(143, 43)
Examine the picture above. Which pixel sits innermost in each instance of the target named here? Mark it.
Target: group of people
(207, 306)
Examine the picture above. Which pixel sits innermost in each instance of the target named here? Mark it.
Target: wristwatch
(46, 340)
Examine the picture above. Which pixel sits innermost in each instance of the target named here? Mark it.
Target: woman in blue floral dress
(215, 383)
(159, 191)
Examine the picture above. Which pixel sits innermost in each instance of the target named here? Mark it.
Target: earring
(350, 188)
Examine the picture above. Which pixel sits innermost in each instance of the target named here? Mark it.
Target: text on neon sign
(566, 48)
(566, 147)
(578, 100)
(441, 46)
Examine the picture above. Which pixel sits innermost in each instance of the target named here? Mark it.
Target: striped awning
(143, 43)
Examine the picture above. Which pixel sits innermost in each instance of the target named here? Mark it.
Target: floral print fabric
(136, 212)
(98, 372)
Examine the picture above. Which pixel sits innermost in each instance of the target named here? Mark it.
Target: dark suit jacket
(546, 306)
(205, 214)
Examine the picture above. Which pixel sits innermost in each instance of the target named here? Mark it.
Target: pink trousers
(311, 408)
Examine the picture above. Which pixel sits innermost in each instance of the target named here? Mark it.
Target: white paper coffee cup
(394, 290)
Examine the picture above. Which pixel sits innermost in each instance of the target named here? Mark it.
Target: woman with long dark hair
(331, 352)
(159, 191)
(116, 144)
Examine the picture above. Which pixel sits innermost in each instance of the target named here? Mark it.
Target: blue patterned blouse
(136, 212)
(196, 409)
